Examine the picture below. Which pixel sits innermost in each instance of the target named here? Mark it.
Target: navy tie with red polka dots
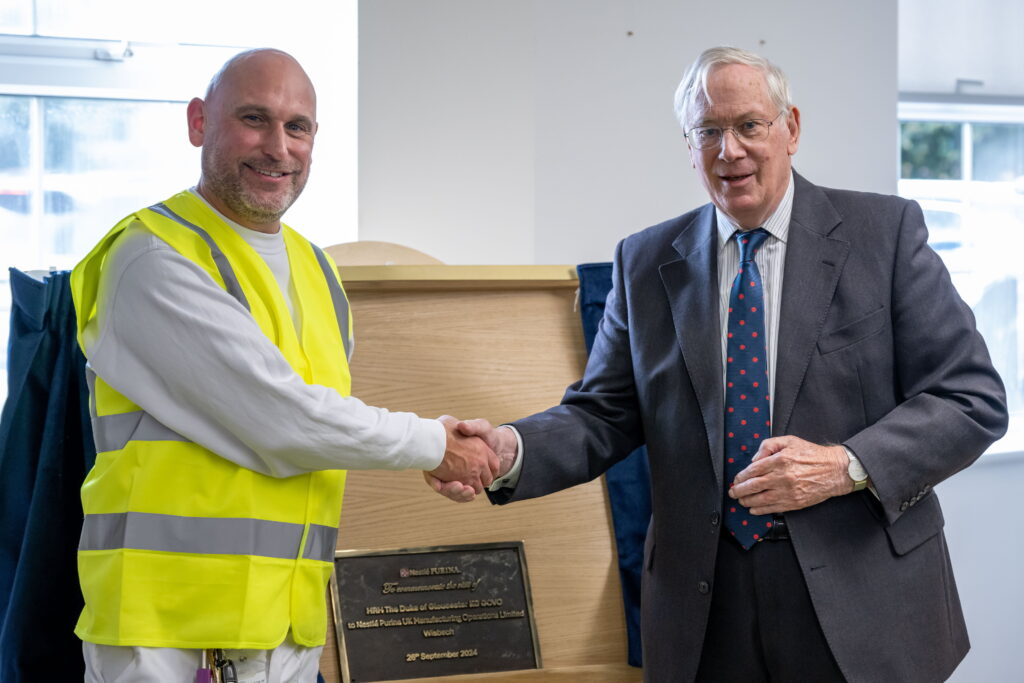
(747, 415)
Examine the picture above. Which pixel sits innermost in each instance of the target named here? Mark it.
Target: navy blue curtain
(629, 482)
(45, 450)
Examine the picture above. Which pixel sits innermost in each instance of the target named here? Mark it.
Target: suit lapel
(691, 283)
(814, 262)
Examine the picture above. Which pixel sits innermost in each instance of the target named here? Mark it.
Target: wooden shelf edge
(498, 276)
(592, 673)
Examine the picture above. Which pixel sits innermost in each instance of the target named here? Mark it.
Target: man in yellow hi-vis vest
(217, 340)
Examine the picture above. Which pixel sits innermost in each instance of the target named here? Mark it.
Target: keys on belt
(215, 667)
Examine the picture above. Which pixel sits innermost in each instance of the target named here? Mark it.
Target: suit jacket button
(715, 518)
(703, 587)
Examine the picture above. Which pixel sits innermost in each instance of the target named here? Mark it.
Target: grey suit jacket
(876, 351)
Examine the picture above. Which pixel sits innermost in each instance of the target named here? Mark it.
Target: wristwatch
(856, 471)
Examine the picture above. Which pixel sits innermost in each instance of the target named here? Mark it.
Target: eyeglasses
(751, 130)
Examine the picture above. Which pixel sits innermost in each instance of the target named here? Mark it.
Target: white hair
(694, 86)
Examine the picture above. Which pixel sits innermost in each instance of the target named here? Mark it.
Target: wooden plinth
(496, 342)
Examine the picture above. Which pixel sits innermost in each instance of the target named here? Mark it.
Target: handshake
(476, 453)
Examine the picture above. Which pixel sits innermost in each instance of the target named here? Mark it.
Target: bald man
(218, 342)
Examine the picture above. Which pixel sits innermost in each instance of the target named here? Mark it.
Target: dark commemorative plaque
(441, 611)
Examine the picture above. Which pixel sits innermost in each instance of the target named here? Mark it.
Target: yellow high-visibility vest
(183, 548)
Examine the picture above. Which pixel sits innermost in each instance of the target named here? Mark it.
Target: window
(69, 168)
(965, 165)
(92, 123)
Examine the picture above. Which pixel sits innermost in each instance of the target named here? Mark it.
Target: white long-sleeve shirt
(171, 340)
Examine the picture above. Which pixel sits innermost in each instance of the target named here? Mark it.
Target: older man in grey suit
(803, 373)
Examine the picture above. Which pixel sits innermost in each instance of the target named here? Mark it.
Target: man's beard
(225, 182)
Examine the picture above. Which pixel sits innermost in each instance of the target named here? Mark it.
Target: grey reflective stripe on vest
(320, 543)
(206, 536)
(227, 273)
(337, 296)
(113, 432)
(90, 379)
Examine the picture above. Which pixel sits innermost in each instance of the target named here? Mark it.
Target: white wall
(941, 41)
(981, 506)
(517, 131)
(328, 50)
(446, 127)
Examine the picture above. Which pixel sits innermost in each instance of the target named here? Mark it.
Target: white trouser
(287, 663)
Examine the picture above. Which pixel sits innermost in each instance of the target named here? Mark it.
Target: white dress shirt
(771, 262)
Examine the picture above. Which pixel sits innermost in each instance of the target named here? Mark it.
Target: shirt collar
(777, 224)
